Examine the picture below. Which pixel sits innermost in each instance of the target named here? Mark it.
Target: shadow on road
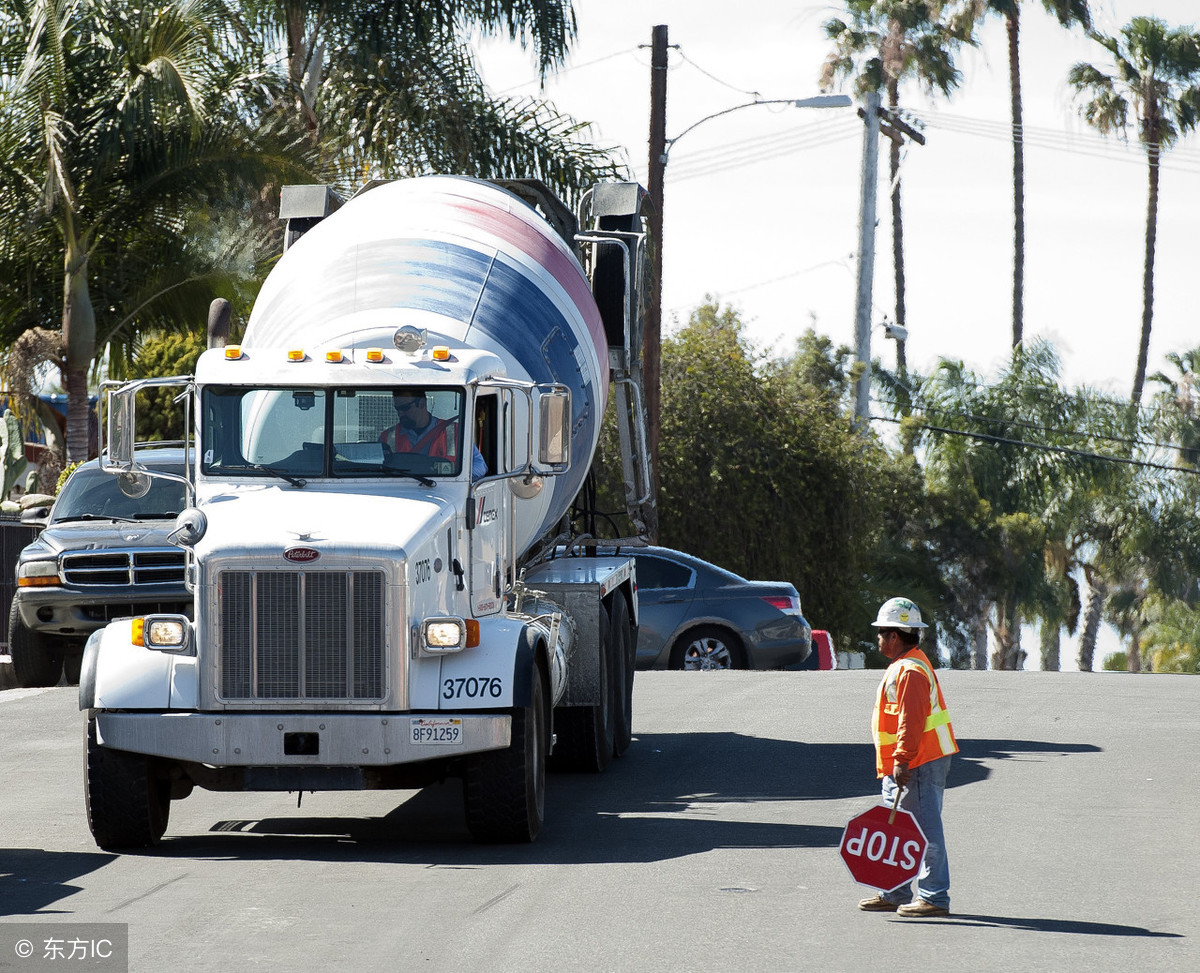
(31, 879)
(1069, 926)
(971, 763)
(671, 795)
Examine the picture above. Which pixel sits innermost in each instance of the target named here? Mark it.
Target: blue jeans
(923, 800)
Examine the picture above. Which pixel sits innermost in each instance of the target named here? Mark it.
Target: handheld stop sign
(883, 847)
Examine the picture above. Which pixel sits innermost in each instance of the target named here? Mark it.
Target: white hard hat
(899, 613)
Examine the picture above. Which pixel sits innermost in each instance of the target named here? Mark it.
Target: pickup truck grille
(98, 569)
(301, 634)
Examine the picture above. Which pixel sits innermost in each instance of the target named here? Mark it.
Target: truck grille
(301, 634)
(93, 569)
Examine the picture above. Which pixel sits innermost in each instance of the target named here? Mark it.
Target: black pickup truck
(104, 554)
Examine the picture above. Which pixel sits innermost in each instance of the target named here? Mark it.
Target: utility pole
(652, 340)
(866, 259)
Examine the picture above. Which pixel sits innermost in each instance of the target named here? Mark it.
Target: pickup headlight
(163, 633)
(38, 574)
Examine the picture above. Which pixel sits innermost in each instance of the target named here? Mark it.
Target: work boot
(922, 910)
(877, 903)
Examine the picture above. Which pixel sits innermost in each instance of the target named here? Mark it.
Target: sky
(761, 206)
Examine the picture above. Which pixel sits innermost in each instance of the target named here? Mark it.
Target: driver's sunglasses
(404, 405)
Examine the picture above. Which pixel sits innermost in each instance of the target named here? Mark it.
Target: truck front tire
(127, 807)
(504, 791)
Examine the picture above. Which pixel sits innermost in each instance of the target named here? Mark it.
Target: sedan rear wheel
(707, 648)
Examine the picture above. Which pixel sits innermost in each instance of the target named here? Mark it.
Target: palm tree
(389, 89)
(884, 43)
(1067, 12)
(116, 124)
(1157, 74)
(1017, 487)
(1178, 412)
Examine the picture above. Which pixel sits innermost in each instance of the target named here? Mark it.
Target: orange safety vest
(440, 440)
(937, 739)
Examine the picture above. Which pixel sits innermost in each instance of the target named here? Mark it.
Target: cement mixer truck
(389, 589)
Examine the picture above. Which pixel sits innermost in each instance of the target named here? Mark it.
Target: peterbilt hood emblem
(301, 555)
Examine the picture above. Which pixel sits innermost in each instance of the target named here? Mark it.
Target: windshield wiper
(296, 481)
(423, 480)
(123, 520)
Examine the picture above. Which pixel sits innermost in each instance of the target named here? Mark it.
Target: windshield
(303, 432)
(92, 494)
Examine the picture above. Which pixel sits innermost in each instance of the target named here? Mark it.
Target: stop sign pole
(883, 847)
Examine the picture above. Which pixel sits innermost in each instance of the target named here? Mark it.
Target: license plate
(437, 731)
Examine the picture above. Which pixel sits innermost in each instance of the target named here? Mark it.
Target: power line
(713, 77)
(1146, 412)
(925, 408)
(1066, 450)
(1079, 143)
(561, 72)
(761, 148)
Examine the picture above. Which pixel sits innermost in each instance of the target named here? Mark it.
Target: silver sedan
(695, 615)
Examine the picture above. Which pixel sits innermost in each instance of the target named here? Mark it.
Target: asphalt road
(1072, 823)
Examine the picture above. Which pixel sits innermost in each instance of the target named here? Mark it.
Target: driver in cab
(417, 430)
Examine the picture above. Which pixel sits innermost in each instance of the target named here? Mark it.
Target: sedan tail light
(785, 603)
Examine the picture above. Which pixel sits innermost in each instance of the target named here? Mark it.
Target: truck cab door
(489, 519)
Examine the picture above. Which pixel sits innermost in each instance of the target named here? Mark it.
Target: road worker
(913, 745)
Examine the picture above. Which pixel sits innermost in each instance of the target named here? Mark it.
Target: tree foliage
(761, 470)
(389, 89)
(159, 417)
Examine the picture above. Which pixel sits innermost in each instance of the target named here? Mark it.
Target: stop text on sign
(879, 847)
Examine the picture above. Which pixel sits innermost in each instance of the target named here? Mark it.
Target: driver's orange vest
(440, 440)
(937, 739)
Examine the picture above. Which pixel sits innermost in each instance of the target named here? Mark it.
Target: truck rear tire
(127, 807)
(585, 735)
(36, 660)
(622, 649)
(504, 791)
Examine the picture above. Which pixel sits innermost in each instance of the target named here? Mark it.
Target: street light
(660, 150)
(816, 101)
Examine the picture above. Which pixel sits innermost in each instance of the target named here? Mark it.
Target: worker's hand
(901, 775)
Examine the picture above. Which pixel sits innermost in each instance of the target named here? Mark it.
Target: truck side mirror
(121, 426)
(554, 428)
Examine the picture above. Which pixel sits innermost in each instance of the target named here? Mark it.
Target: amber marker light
(296, 354)
(333, 357)
(233, 352)
(139, 631)
(441, 353)
(375, 354)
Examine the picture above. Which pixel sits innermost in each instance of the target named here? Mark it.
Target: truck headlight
(163, 633)
(440, 636)
(38, 574)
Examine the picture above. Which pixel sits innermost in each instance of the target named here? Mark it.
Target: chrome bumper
(295, 739)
